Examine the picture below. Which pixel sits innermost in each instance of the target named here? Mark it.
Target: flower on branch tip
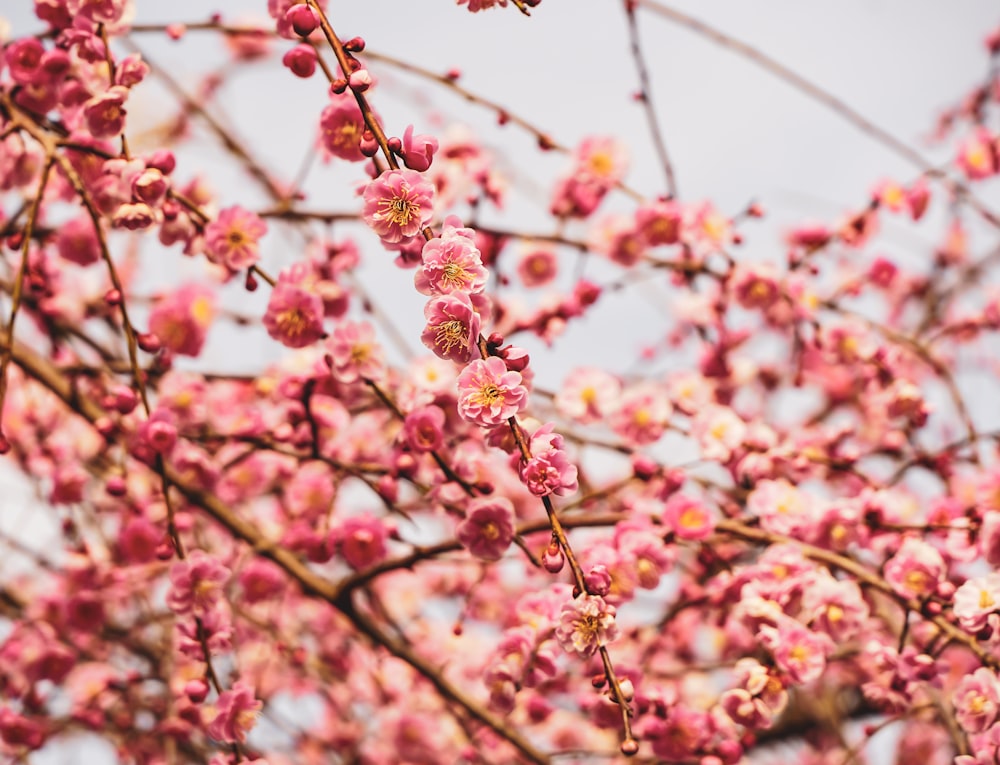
(418, 150)
(398, 204)
(585, 624)
(549, 471)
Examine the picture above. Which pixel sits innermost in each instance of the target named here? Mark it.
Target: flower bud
(553, 560)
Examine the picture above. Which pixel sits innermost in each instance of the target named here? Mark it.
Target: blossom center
(449, 334)
(400, 210)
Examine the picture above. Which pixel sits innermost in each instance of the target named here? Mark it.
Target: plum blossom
(398, 204)
(452, 327)
(586, 623)
(294, 315)
(588, 394)
(759, 700)
(488, 393)
(196, 583)
(976, 600)
(977, 700)
(236, 714)
(915, 570)
(182, 318)
(232, 238)
(549, 470)
(354, 353)
(488, 528)
(451, 262)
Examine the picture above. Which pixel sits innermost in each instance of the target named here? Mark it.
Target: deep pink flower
(105, 114)
(294, 315)
(538, 266)
(181, 319)
(488, 527)
(361, 541)
(76, 241)
(452, 327)
(398, 204)
(760, 698)
(585, 624)
(423, 429)
(977, 154)
(488, 394)
(232, 238)
(418, 150)
(354, 352)
(451, 262)
(236, 714)
(301, 60)
(688, 517)
(341, 125)
(659, 222)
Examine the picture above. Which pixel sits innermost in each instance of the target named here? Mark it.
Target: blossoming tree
(770, 540)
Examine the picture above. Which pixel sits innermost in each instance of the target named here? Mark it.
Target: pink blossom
(196, 583)
(105, 114)
(977, 154)
(398, 204)
(642, 415)
(354, 352)
(488, 393)
(915, 570)
(659, 222)
(341, 126)
(181, 319)
(361, 541)
(719, 430)
(977, 700)
(782, 507)
(452, 327)
(236, 714)
(759, 700)
(232, 238)
(294, 315)
(976, 600)
(424, 429)
(488, 528)
(688, 517)
(537, 266)
(549, 471)
(451, 262)
(418, 150)
(76, 241)
(586, 623)
(798, 652)
(588, 394)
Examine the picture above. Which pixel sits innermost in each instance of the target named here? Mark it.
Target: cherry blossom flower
(588, 394)
(488, 528)
(341, 126)
(398, 204)
(549, 471)
(915, 570)
(232, 238)
(418, 150)
(977, 700)
(361, 541)
(976, 600)
(586, 623)
(488, 393)
(76, 241)
(537, 266)
(424, 429)
(294, 315)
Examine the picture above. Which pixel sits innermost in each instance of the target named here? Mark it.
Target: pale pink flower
(915, 570)
(181, 319)
(196, 583)
(488, 393)
(232, 238)
(488, 528)
(452, 327)
(105, 114)
(719, 430)
(976, 600)
(398, 204)
(310, 491)
(294, 315)
(236, 714)
(76, 241)
(586, 623)
(642, 415)
(760, 698)
(588, 394)
(977, 700)
(782, 507)
(451, 262)
(354, 352)
(798, 652)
